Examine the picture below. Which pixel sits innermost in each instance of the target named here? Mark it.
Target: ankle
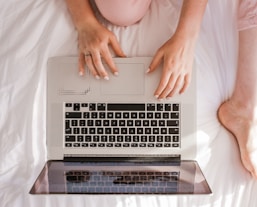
(246, 108)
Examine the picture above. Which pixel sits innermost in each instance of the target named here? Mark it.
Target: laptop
(115, 137)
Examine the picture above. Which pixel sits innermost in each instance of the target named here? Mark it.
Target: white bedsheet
(31, 31)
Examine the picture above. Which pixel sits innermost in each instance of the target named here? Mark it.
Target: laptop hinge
(140, 158)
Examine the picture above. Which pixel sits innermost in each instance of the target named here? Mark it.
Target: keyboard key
(142, 145)
(167, 107)
(106, 122)
(102, 115)
(166, 115)
(73, 115)
(118, 115)
(80, 138)
(68, 145)
(174, 115)
(120, 138)
(88, 139)
(104, 138)
(136, 138)
(68, 105)
(114, 122)
(167, 138)
(152, 138)
(84, 144)
(160, 107)
(70, 138)
(173, 130)
(110, 115)
(149, 115)
(138, 123)
(74, 122)
(175, 139)
(122, 123)
(133, 115)
(101, 107)
(141, 115)
(76, 144)
(150, 107)
(125, 115)
(124, 131)
(117, 144)
(68, 131)
(128, 138)
(159, 138)
(172, 123)
(126, 145)
(86, 115)
(92, 106)
(76, 106)
(130, 123)
(82, 122)
(175, 107)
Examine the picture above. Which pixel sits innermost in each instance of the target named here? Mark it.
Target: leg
(239, 113)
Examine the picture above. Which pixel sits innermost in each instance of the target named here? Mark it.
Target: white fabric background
(31, 31)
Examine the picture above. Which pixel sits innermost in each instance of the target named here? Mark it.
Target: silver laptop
(115, 137)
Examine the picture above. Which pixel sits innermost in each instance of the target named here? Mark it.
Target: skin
(239, 113)
(176, 54)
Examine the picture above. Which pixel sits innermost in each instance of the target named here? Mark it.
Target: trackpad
(130, 81)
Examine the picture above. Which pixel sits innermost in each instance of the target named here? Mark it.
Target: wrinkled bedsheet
(31, 31)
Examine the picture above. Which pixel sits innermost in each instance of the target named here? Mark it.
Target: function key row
(124, 107)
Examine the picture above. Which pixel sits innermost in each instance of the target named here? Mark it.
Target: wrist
(86, 23)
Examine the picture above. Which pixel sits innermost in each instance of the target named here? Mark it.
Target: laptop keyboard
(115, 125)
(122, 182)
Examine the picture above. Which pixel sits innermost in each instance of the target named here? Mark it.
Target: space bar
(125, 107)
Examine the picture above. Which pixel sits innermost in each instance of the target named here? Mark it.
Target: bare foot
(242, 125)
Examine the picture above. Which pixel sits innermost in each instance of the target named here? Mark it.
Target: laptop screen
(122, 177)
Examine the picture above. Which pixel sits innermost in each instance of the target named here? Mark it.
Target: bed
(32, 31)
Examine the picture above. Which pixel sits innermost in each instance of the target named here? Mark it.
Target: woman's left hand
(177, 55)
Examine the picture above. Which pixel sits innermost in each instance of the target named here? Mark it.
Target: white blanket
(31, 31)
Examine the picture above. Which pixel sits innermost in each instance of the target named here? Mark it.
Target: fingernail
(148, 70)
(156, 96)
(97, 77)
(81, 73)
(106, 78)
(116, 73)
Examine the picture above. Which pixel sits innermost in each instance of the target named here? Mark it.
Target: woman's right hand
(93, 42)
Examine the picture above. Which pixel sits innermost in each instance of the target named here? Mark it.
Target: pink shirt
(128, 12)
(123, 12)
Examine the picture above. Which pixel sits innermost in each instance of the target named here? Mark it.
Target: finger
(169, 87)
(156, 61)
(81, 64)
(109, 61)
(166, 77)
(176, 86)
(91, 67)
(96, 57)
(116, 47)
(187, 81)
